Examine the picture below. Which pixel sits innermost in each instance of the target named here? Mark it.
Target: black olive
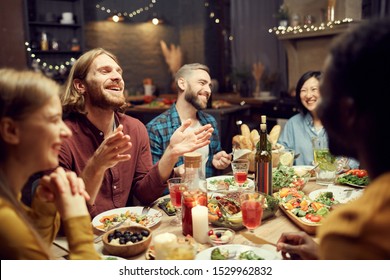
(140, 237)
(122, 240)
(145, 233)
(127, 237)
(218, 234)
(117, 234)
(133, 239)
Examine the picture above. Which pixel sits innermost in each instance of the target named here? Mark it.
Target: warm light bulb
(115, 18)
(155, 21)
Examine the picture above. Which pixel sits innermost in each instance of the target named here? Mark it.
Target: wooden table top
(270, 229)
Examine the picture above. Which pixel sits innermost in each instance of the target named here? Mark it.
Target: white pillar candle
(200, 223)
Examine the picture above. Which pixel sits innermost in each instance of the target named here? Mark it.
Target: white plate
(233, 187)
(154, 216)
(306, 168)
(266, 252)
(339, 193)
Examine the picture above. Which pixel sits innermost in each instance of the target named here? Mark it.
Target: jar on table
(196, 193)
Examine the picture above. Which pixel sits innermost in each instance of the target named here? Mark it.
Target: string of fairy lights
(212, 14)
(39, 64)
(132, 14)
(282, 30)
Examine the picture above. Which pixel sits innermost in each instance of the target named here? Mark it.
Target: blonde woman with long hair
(31, 133)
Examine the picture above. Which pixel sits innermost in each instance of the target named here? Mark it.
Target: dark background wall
(12, 50)
(136, 42)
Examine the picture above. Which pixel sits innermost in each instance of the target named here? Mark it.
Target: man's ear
(79, 86)
(9, 131)
(181, 83)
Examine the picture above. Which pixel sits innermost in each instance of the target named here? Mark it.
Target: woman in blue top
(299, 130)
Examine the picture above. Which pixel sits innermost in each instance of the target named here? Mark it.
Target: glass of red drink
(176, 187)
(240, 170)
(252, 204)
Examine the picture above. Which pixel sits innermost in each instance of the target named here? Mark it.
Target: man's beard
(192, 98)
(104, 100)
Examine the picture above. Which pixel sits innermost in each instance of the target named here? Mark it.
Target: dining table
(270, 229)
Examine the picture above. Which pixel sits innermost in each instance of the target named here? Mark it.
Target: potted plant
(283, 15)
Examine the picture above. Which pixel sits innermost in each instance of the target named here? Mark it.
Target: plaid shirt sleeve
(160, 130)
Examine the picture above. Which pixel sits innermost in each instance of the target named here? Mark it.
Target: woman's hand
(297, 245)
(66, 191)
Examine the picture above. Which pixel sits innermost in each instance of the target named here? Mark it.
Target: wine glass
(176, 187)
(240, 170)
(252, 204)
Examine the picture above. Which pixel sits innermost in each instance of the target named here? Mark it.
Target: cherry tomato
(315, 218)
(361, 173)
(219, 213)
(296, 204)
(211, 232)
(308, 216)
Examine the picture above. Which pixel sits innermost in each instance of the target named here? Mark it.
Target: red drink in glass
(175, 193)
(240, 177)
(252, 212)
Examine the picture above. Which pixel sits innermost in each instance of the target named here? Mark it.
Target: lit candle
(200, 223)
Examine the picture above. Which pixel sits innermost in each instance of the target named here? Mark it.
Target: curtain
(252, 42)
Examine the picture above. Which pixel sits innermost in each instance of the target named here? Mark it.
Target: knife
(256, 239)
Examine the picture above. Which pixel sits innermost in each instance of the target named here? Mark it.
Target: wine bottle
(263, 163)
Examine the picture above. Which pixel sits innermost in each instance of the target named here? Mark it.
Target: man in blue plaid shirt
(193, 83)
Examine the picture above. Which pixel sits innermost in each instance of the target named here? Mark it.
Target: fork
(146, 209)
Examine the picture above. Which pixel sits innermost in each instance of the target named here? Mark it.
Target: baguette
(245, 131)
(236, 141)
(255, 137)
(246, 143)
(274, 134)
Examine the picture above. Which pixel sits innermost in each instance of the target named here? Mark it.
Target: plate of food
(239, 252)
(224, 209)
(227, 183)
(128, 215)
(286, 177)
(305, 212)
(355, 178)
(340, 195)
(305, 170)
(166, 205)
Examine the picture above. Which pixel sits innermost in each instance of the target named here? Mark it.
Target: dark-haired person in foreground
(355, 112)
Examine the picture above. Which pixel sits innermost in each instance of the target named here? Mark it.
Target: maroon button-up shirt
(137, 175)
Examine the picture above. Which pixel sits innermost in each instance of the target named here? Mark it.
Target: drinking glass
(325, 162)
(252, 204)
(176, 187)
(240, 170)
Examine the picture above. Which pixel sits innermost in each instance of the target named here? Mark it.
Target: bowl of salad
(287, 177)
